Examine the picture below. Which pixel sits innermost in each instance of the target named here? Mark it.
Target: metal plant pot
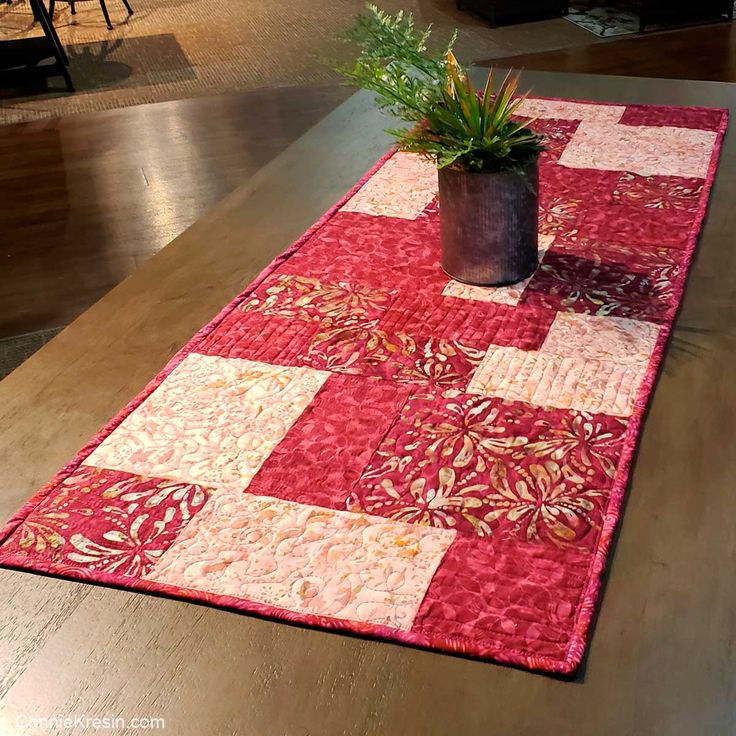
(488, 225)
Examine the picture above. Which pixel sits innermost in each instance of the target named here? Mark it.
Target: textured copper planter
(488, 225)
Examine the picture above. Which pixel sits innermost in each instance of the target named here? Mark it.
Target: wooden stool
(102, 5)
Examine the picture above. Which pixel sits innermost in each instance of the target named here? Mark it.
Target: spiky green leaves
(453, 123)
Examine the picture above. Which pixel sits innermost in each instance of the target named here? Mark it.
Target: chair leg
(39, 10)
(50, 32)
(67, 78)
(105, 13)
(52, 3)
(72, 6)
(127, 5)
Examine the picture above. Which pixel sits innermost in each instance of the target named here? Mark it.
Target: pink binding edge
(587, 606)
(451, 644)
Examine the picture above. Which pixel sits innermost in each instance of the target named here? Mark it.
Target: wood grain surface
(662, 655)
(706, 53)
(87, 198)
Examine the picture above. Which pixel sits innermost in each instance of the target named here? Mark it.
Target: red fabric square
(629, 225)
(667, 199)
(476, 323)
(324, 453)
(490, 467)
(501, 593)
(699, 118)
(329, 302)
(277, 323)
(565, 195)
(252, 335)
(396, 357)
(570, 283)
(581, 185)
(109, 521)
(557, 134)
(658, 266)
(626, 224)
(393, 252)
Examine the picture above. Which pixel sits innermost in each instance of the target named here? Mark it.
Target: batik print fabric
(358, 442)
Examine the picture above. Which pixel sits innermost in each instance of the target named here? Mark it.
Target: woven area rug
(605, 21)
(176, 49)
(622, 18)
(359, 443)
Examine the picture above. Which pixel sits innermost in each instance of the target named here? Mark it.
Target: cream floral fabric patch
(621, 340)
(640, 149)
(562, 110)
(402, 188)
(549, 380)
(588, 363)
(306, 558)
(212, 421)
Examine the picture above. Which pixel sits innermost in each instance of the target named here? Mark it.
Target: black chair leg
(105, 13)
(50, 32)
(127, 5)
(52, 3)
(39, 10)
(67, 78)
(73, 8)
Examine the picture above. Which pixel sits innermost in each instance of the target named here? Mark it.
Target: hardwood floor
(88, 198)
(706, 53)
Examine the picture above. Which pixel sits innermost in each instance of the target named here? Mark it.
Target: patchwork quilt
(359, 443)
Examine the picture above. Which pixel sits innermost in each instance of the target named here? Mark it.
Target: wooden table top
(662, 654)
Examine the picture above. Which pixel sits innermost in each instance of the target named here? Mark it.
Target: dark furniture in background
(26, 59)
(504, 12)
(655, 14)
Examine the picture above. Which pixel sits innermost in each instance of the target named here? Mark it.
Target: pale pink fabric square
(306, 558)
(550, 380)
(586, 362)
(213, 421)
(621, 340)
(643, 150)
(562, 110)
(510, 294)
(402, 188)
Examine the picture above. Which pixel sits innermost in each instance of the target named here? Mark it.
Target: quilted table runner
(359, 443)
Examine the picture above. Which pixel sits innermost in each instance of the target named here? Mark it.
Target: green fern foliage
(451, 122)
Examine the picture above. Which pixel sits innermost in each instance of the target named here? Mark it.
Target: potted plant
(487, 162)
